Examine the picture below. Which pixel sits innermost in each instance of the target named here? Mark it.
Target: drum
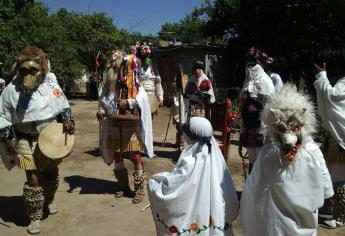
(124, 133)
(53, 143)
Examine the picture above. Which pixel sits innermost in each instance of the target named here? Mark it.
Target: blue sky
(145, 17)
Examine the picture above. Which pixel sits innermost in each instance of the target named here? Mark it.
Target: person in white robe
(30, 102)
(198, 197)
(289, 180)
(274, 67)
(257, 90)
(151, 81)
(124, 139)
(2, 85)
(330, 91)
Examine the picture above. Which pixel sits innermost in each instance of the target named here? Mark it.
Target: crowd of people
(290, 178)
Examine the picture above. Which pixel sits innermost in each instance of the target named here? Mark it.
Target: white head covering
(257, 82)
(2, 81)
(198, 195)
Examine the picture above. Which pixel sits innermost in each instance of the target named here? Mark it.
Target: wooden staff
(166, 133)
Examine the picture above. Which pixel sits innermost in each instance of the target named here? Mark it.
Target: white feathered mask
(289, 116)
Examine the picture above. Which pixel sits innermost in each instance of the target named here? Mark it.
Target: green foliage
(191, 29)
(294, 29)
(72, 40)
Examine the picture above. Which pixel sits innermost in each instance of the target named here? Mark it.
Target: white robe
(331, 106)
(282, 199)
(199, 188)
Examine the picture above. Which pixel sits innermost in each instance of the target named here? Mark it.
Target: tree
(295, 29)
(72, 40)
(191, 29)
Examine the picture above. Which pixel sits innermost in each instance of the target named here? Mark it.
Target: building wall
(218, 66)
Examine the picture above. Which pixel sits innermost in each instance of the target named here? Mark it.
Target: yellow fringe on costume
(29, 156)
(127, 134)
(130, 146)
(32, 162)
(25, 163)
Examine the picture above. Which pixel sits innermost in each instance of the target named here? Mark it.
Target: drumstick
(171, 164)
(149, 205)
(2, 223)
(66, 137)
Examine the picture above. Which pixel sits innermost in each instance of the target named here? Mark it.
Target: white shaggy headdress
(290, 105)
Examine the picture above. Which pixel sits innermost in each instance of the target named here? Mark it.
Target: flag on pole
(179, 78)
(96, 61)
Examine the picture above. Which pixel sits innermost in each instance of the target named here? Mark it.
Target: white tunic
(277, 81)
(331, 106)
(44, 103)
(152, 83)
(281, 198)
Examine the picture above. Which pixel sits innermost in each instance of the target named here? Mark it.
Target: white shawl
(331, 106)
(283, 199)
(146, 121)
(44, 103)
(198, 196)
(257, 82)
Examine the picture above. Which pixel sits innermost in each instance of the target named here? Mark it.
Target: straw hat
(53, 143)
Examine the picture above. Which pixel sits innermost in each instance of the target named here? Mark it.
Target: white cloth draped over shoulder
(257, 82)
(108, 105)
(152, 83)
(331, 106)
(46, 102)
(282, 198)
(277, 81)
(198, 81)
(198, 196)
(146, 121)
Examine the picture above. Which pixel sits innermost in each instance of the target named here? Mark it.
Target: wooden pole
(180, 119)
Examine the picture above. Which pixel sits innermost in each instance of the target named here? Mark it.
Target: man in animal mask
(29, 103)
(126, 129)
(289, 180)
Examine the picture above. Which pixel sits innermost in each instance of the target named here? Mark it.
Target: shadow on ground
(234, 142)
(94, 152)
(92, 185)
(173, 155)
(12, 210)
(166, 144)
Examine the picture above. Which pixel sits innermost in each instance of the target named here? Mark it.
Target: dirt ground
(85, 195)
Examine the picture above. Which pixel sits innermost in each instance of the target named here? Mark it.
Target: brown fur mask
(32, 65)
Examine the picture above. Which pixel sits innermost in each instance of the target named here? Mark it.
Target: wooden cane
(166, 133)
(147, 206)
